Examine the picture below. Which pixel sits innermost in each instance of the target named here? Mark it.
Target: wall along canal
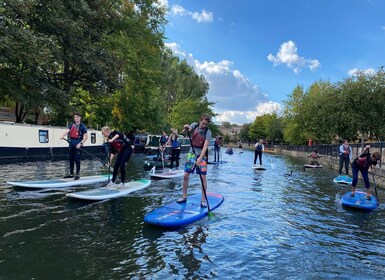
(270, 226)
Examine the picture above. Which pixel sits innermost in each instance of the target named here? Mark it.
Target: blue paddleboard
(343, 179)
(179, 214)
(359, 201)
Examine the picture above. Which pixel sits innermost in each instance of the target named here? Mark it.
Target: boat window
(43, 136)
(93, 138)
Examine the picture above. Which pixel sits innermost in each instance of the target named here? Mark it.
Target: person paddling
(121, 145)
(259, 148)
(363, 164)
(77, 134)
(196, 158)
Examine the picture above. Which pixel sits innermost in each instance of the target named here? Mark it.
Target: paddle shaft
(271, 164)
(375, 188)
(200, 175)
(107, 165)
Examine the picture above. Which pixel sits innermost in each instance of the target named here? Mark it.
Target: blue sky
(254, 53)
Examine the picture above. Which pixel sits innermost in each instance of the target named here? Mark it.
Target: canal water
(270, 226)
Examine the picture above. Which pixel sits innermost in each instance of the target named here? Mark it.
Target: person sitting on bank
(314, 158)
(364, 163)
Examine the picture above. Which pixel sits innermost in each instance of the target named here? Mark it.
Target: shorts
(190, 165)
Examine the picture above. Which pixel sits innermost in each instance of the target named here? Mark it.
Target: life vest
(198, 140)
(118, 145)
(75, 132)
(346, 150)
(163, 140)
(259, 147)
(362, 161)
(175, 142)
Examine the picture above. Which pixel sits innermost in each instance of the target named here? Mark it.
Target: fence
(332, 150)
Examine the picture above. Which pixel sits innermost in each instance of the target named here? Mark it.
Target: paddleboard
(359, 201)
(61, 182)
(343, 179)
(179, 214)
(111, 192)
(258, 167)
(311, 166)
(168, 175)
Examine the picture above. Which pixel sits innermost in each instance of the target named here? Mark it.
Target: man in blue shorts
(196, 158)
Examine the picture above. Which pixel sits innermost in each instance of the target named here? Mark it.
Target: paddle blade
(152, 171)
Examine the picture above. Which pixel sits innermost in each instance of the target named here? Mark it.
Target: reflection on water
(272, 225)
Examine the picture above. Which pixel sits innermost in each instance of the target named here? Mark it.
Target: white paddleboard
(258, 167)
(61, 182)
(312, 166)
(168, 174)
(111, 192)
(343, 179)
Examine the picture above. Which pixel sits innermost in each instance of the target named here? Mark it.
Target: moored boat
(27, 142)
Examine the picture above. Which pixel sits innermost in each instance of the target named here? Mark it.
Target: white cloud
(287, 55)
(356, 71)
(203, 16)
(177, 10)
(238, 100)
(242, 117)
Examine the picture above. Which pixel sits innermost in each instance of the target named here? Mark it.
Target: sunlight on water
(270, 226)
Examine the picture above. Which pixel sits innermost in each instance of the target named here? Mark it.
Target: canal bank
(330, 156)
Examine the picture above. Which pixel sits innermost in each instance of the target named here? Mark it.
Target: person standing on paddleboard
(77, 136)
(217, 147)
(345, 152)
(196, 158)
(121, 145)
(175, 148)
(259, 148)
(362, 164)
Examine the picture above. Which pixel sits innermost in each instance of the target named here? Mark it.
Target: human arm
(115, 135)
(85, 137)
(65, 133)
(203, 151)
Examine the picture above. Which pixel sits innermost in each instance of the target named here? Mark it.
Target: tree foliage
(326, 112)
(105, 58)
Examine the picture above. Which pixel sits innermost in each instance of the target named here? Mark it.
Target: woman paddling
(119, 144)
(363, 163)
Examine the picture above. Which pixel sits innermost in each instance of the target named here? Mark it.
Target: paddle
(200, 176)
(105, 164)
(271, 164)
(375, 188)
(162, 155)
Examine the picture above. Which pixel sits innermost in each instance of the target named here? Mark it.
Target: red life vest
(198, 140)
(118, 145)
(362, 161)
(74, 131)
(346, 150)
